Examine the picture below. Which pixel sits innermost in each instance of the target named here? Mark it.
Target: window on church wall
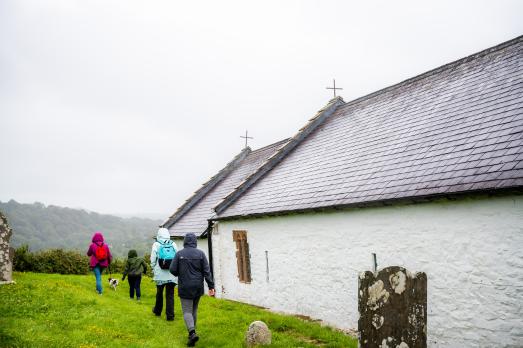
(243, 258)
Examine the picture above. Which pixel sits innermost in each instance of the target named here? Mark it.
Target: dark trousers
(169, 300)
(134, 285)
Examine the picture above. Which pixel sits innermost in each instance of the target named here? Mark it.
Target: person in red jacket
(100, 258)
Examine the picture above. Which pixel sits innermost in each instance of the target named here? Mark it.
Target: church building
(427, 174)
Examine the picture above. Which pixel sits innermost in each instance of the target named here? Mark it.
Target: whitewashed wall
(471, 250)
(202, 245)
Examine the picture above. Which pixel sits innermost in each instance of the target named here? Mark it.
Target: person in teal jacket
(134, 267)
(162, 277)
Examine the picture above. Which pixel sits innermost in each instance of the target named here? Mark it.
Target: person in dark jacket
(191, 267)
(134, 267)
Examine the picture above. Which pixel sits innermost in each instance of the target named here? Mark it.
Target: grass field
(52, 310)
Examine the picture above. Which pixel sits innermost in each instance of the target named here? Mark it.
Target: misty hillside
(45, 227)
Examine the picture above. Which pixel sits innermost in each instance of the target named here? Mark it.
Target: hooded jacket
(135, 265)
(191, 267)
(160, 275)
(98, 241)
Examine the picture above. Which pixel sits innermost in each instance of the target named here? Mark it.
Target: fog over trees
(45, 227)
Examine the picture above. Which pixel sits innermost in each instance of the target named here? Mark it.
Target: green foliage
(60, 261)
(23, 259)
(52, 310)
(57, 261)
(50, 261)
(118, 265)
(51, 227)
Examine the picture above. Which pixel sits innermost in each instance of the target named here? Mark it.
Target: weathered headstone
(6, 254)
(258, 334)
(393, 309)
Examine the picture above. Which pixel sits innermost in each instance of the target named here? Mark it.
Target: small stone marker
(6, 253)
(393, 309)
(258, 334)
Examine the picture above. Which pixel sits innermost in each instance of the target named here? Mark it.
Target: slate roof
(454, 129)
(192, 216)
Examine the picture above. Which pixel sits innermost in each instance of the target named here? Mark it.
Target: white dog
(113, 283)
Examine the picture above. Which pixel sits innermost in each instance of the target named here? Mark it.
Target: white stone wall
(202, 245)
(471, 250)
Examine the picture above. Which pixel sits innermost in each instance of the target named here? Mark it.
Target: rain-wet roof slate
(457, 128)
(192, 216)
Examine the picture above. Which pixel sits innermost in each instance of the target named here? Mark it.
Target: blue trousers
(98, 275)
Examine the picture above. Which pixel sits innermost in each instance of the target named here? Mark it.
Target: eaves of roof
(516, 190)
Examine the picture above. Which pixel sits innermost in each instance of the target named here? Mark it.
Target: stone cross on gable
(246, 137)
(334, 88)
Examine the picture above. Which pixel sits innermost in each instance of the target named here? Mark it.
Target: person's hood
(98, 238)
(163, 235)
(189, 240)
(132, 253)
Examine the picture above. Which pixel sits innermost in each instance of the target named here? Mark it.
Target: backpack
(166, 254)
(101, 252)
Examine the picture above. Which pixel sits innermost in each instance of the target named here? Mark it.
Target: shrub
(23, 259)
(118, 265)
(56, 261)
(147, 258)
(50, 261)
(62, 262)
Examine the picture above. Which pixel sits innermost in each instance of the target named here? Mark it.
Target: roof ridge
(273, 160)
(266, 146)
(206, 187)
(437, 70)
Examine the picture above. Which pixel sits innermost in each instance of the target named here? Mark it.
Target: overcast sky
(129, 106)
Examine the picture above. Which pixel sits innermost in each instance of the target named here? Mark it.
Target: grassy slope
(51, 310)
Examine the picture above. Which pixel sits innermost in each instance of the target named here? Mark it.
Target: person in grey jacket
(191, 267)
(163, 278)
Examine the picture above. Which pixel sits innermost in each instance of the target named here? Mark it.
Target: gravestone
(393, 309)
(258, 334)
(6, 253)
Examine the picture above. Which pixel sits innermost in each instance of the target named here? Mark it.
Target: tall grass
(52, 310)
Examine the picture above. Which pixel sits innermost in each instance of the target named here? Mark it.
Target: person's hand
(212, 292)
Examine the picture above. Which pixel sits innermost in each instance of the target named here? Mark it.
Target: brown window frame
(243, 257)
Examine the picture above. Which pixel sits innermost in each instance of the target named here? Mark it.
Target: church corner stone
(6, 254)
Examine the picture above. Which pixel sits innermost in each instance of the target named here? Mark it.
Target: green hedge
(60, 261)
(50, 261)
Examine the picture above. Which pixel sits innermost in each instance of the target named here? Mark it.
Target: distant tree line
(50, 227)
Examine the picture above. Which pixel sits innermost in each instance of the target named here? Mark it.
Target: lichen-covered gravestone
(6, 256)
(393, 309)
(258, 334)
